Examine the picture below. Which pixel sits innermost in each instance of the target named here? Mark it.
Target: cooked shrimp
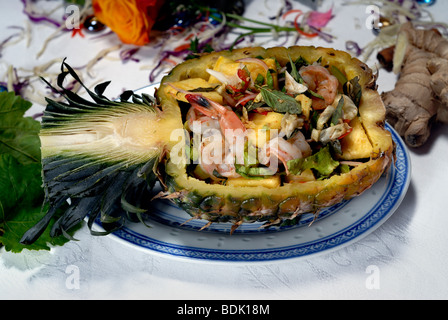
(199, 123)
(284, 150)
(216, 159)
(228, 120)
(300, 142)
(218, 154)
(323, 83)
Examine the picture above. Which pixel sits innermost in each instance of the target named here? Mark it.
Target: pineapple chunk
(226, 66)
(262, 125)
(230, 67)
(356, 145)
(306, 105)
(273, 120)
(191, 84)
(271, 182)
(305, 176)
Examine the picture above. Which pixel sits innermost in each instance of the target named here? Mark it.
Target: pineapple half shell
(220, 203)
(105, 156)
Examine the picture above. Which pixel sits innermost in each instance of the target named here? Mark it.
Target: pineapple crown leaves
(84, 186)
(65, 111)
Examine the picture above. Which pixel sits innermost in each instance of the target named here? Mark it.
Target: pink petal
(320, 19)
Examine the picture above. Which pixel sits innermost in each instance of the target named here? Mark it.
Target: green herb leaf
(316, 95)
(244, 172)
(354, 90)
(294, 73)
(194, 45)
(344, 168)
(336, 147)
(281, 102)
(339, 75)
(269, 80)
(301, 62)
(251, 105)
(250, 155)
(322, 162)
(260, 80)
(260, 172)
(337, 115)
(200, 89)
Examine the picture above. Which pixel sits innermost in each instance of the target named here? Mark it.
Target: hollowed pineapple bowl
(243, 136)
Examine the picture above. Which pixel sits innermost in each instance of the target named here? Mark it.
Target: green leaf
(21, 198)
(24, 219)
(245, 173)
(12, 107)
(339, 75)
(18, 135)
(301, 62)
(211, 89)
(21, 191)
(21, 140)
(280, 102)
(250, 156)
(251, 105)
(194, 45)
(19, 184)
(260, 80)
(345, 168)
(270, 80)
(295, 66)
(294, 72)
(316, 95)
(354, 90)
(322, 162)
(337, 115)
(260, 172)
(336, 146)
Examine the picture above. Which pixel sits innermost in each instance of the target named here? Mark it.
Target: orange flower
(131, 20)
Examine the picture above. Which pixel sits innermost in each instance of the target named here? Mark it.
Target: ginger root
(439, 84)
(420, 96)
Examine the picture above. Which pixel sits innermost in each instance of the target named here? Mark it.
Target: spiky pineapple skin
(218, 203)
(275, 206)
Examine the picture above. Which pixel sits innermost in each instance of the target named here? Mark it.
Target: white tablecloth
(407, 255)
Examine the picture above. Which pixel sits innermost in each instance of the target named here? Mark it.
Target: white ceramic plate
(336, 226)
